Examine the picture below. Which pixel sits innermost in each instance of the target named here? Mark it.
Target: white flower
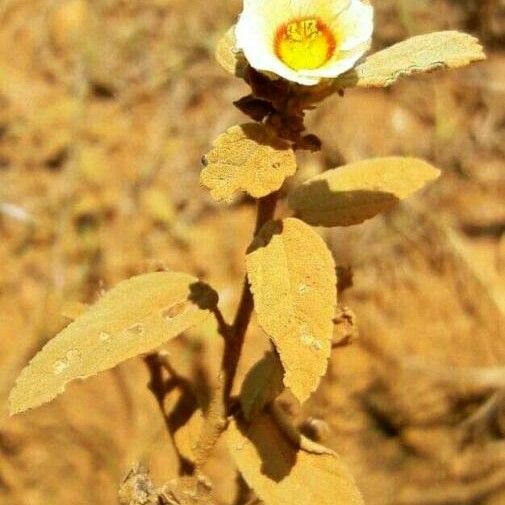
(304, 40)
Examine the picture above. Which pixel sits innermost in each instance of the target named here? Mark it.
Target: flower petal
(255, 32)
(345, 26)
(354, 24)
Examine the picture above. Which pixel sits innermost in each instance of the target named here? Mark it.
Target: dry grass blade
(356, 192)
(282, 474)
(293, 281)
(133, 318)
(247, 158)
(423, 53)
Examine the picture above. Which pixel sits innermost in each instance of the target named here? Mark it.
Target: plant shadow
(265, 235)
(203, 296)
(318, 204)
(278, 455)
(260, 135)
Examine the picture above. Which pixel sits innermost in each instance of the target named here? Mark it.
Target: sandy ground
(106, 108)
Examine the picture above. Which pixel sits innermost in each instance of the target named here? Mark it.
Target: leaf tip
(302, 390)
(478, 52)
(15, 403)
(25, 396)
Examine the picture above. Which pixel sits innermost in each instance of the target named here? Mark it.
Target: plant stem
(235, 341)
(215, 422)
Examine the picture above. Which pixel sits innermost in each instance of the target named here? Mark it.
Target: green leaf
(293, 281)
(133, 318)
(353, 193)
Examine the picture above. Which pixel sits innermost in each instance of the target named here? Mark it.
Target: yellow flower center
(304, 43)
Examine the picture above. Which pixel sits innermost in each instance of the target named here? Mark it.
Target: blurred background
(106, 107)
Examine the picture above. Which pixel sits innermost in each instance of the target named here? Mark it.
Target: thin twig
(223, 327)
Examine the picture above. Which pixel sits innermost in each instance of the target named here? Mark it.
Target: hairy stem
(235, 341)
(215, 422)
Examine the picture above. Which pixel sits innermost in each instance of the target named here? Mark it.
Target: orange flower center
(304, 43)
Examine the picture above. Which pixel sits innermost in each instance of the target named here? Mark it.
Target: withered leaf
(247, 158)
(256, 108)
(230, 59)
(138, 488)
(134, 317)
(263, 384)
(293, 281)
(356, 192)
(190, 490)
(282, 474)
(422, 53)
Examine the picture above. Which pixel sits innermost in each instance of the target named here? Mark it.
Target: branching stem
(215, 422)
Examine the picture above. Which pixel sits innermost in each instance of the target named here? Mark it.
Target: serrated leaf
(282, 474)
(422, 53)
(356, 192)
(226, 54)
(293, 281)
(247, 158)
(263, 384)
(133, 318)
